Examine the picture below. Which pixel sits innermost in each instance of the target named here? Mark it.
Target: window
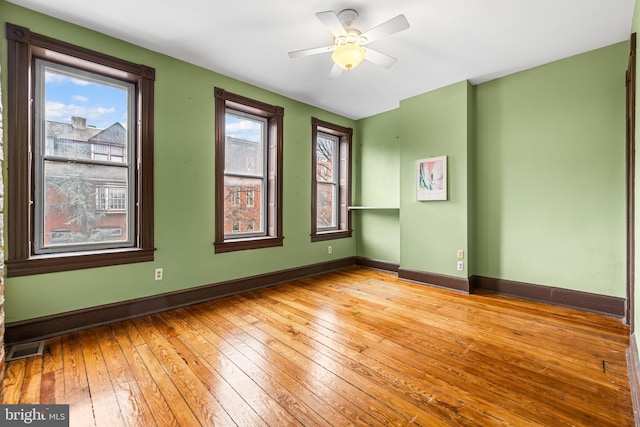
(111, 199)
(250, 198)
(72, 175)
(235, 196)
(331, 181)
(248, 173)
(108, 153)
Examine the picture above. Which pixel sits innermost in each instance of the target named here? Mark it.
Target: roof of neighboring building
(78, 131)
(114, 134)
(67, 131)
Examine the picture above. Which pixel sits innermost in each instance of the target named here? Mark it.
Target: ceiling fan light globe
(348, 56)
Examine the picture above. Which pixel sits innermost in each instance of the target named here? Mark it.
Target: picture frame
(431, 178)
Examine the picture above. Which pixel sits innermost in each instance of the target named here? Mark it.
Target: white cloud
(243, 129)
(60, 112)
(80, 98)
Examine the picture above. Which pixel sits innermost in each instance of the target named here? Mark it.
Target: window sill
(42, 264)
(247, 244)
(330, 235)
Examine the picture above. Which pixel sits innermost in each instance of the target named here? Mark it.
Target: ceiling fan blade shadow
(331, 21)
(308, 52)
(379, 58)
(335, 72)
(392, 26)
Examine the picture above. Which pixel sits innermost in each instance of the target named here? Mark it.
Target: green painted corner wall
(378, 185)
(550, 179)
(184, 188)
(635, 26)
(434, 124)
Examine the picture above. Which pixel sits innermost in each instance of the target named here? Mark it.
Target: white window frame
(333, 182)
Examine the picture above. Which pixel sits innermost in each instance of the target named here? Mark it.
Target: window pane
(325, 217)
(244, 147)
(84, 118)
(78, 209)
(325, 155)
(243, 210)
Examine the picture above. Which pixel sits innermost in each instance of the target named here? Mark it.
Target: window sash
(250, 167)
(45, 154)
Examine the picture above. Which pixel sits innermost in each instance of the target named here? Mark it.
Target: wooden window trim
(23, 47)
(344, 198)
(273, 221)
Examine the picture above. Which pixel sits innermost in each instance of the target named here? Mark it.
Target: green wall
(184, 188)
(550, 183)
(536, 176)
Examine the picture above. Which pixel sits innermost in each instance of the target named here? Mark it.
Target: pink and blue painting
(431, 178)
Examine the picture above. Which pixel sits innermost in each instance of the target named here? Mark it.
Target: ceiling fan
(347, 48)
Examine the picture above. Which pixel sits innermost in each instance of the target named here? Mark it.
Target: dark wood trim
(18, 141)
(144, 175)
(77, 261)
(603, 304)
(219, 132)
(330, 235)
(62, 323)
(439, 280)
(23, 48)
(274, 190)
(377, 264)
(630, 180)
(633, 364)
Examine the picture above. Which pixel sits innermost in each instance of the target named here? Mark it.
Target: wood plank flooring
(354, 347)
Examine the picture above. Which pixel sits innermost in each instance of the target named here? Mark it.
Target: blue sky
(100, 104)
(242, 128)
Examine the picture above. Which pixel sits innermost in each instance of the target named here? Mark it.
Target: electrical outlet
(158, 274)
(329, 249)
(460, 254)
(460, 265)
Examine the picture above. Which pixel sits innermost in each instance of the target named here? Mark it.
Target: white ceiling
(448, 41)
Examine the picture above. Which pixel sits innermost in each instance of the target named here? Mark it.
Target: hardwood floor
(355, 347)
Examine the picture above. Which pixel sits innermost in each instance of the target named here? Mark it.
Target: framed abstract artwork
(431, 178)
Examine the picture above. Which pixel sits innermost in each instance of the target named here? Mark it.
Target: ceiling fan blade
(336, 72)
(379, 58)
(309, 52)
(392, 26)
(331, 21)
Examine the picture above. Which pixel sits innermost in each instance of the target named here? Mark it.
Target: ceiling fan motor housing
(347, 17)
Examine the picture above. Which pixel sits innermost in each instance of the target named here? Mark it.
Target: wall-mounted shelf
(355, 208)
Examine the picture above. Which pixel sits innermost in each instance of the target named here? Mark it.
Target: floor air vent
(18, 351)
